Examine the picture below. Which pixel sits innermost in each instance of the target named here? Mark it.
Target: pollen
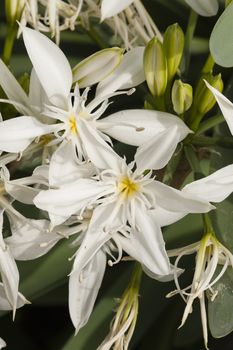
(73, 125)
(127, 186)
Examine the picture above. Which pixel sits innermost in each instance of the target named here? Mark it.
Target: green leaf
(221, 46)
(220, 310)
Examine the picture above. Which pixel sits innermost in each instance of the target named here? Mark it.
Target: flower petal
(129, 74)
(213, 188)
(4, 303)
(204, 7)
(146, 243)
(174, 200)
(84, 286)
(225, 105)
(157, 152)
(113, 7)
(13, 90)
(137, 126)
(18, 133)
(51, 66)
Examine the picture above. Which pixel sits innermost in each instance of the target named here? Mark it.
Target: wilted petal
(50, 64)
(31, 238)
(204, 7)
(213, 188)
(225, 105)
(157, 152)
(137, 126)
(129, 73)
(84, 286)
(18, 133)
(4, 303)
(113, 7)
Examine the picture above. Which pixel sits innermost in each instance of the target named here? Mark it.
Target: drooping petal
(69, 199)
(174, 200)
(113, 7)
(4, 303)
(204, 7)
(225, 105)
(129, 73)
(146, 243)
(18, 133)
(84, 286)
(31, 238)
(157, 152)
(166, 217)
(20, 192)
(51, 66)
(138, 126)
(213, 188)
(13, 90)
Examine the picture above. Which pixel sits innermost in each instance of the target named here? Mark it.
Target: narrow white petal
(18, 133)
(4, 303)
(2, 343)
(69, 199)
(12, 89)
(113, 7)
(213, 188)
(174, 200)
(98, 151)
(84, 286)
(20, 192)
(225, 105)
(146, 244)
(137, 126)
(157, 152)
(204, 7)
(51, 66)
(129, 73)
(166, 217)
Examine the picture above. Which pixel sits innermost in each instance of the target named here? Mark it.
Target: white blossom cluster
(112, 207)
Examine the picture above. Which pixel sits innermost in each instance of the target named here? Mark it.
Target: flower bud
(14, 9)
(173, 47)
(97, 66)
(203, 98)
(182, 96)
(155, 67)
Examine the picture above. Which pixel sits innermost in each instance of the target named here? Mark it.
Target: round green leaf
(221, 43)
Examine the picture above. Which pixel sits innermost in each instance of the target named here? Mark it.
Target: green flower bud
(173, 47)
(155, 67)
(182, 96)
(203, 97)
(96, 67)
(14, 9)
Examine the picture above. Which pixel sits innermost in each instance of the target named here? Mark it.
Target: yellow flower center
(127, 187)
(73, 125)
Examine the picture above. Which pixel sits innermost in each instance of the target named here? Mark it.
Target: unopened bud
(173, 47)
(182, 96)
(203, 98)
(96, 67)
(14, 9)
(155, 67)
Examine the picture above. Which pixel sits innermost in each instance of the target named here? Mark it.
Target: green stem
(210, 123)
(94, 35)
(205, 141)
(9, 43)
(193, 162)
(208, 227)
(192, 22)
(159, 103)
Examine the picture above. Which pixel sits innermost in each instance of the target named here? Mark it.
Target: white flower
(225, 105)
(204, 7)
(113, 7)
(209, 254)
